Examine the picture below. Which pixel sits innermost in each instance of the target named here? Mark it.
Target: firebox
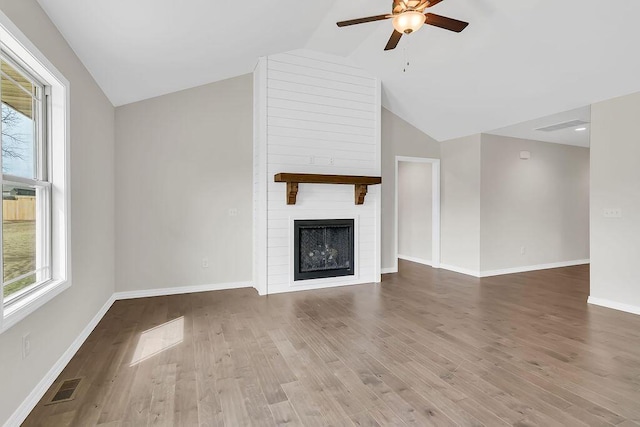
(323, 248)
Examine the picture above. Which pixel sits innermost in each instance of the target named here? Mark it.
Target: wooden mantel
(293, 179)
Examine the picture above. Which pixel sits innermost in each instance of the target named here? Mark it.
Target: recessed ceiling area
(570, 128)
(515, 61)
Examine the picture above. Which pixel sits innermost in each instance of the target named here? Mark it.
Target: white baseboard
(36, 394)
(389, 270)
(633, 309)
(460, 270)
(513, 270)
(416, 260)
(489, 273)
(180, 290)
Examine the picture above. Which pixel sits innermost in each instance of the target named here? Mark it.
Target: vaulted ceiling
(517, 60)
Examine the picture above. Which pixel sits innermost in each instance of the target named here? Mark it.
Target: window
(34, 244)
(26, 190)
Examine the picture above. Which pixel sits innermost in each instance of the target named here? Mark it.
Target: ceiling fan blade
(393, 40)
(433, 3)
(446, 23)
(363, 20)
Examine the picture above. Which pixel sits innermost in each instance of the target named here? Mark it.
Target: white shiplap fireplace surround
(313, 113)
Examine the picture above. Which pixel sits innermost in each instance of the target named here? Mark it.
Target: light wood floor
(427, 347)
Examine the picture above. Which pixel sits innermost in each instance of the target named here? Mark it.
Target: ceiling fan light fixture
(409, 21)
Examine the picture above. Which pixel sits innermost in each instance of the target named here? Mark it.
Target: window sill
(21, 309)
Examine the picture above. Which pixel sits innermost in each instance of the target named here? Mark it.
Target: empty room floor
(426, 347)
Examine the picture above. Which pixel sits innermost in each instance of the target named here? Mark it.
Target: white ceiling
(568, 136)
(517, 60)
(138, 49)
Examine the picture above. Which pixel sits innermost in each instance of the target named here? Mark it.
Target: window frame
(40, 183)
(56, 95)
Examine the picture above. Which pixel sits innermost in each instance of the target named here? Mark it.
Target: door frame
(435, 208)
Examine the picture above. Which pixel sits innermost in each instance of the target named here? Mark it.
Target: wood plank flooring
(426, 347)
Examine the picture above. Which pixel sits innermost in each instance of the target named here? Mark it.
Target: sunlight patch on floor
(156, 340)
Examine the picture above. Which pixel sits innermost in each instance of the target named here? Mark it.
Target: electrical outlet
(613, 213)
(233, 212)
(26, 345)
(523, 250)
(205, 262)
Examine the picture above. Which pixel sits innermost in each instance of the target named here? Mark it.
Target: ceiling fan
(408, 16)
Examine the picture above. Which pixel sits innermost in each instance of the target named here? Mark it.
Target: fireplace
(323, 248)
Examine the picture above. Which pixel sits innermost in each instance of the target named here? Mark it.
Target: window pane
(18, 123)
(18, 237)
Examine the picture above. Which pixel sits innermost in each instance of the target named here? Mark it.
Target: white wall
(460, 204)
(182, 161)
(540, 204)
(414, 211)
(56, 325)
(399, 138)
(322, 115)
(615, 183)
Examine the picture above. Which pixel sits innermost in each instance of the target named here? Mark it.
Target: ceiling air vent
(66, 391)
(564, 125)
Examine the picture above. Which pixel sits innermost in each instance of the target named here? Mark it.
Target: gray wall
(460, 203)
(415, 210)
(58, 323)
(494, 203)
(399, 138)
(540, 204)
(182, 161)
(615, 183)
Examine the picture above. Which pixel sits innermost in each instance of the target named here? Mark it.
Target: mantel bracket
(292, 192)
(361, 192)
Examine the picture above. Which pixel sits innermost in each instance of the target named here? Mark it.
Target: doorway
(417, 210)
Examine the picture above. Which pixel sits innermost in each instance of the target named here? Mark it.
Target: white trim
(58, 111)
(524, 269)
(260, 187)
(27, 48)
(435, 208)
(395, 216)
(389, 270)
(460, 270)
(435, 214)
(39, 390)
(513, 270)
(320, 286)
(180, 290)
(416, 260)
(24, 307)
(377, 190)
(602, 302)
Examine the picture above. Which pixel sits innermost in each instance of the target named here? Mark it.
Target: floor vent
(66, 391)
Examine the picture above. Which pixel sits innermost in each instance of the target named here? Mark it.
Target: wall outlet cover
(613, 213)
(26, 345)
